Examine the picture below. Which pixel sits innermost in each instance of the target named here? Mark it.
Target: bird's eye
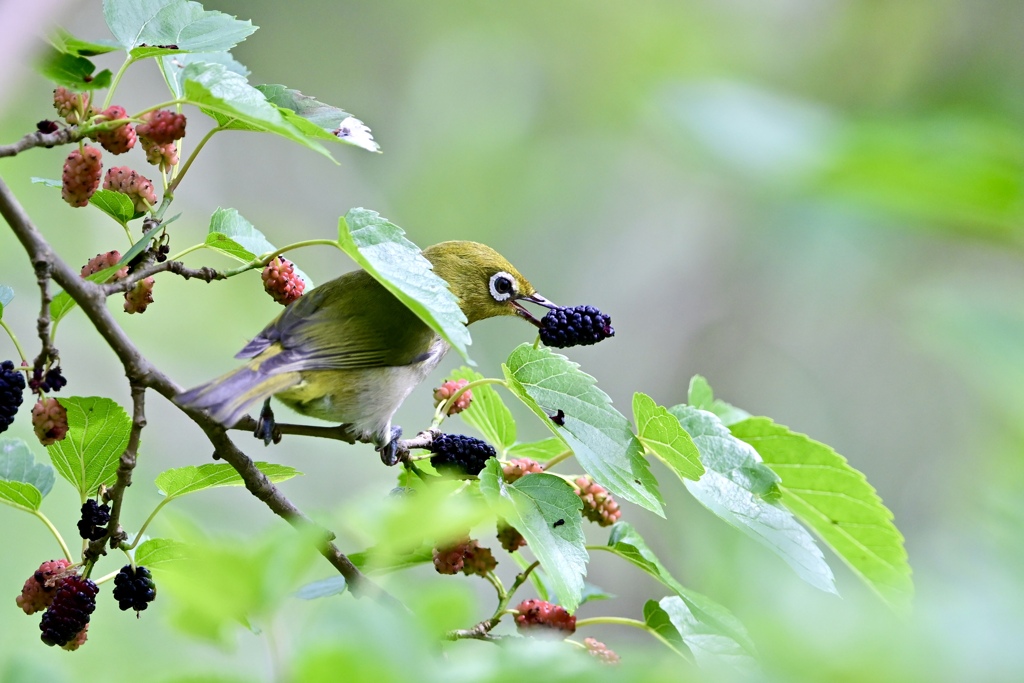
(503, 286)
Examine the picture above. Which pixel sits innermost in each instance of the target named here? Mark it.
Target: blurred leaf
(72, 71)
(158, 553)
(18, 463)
(380, 247)
(487, 413)
(625, 542)
(659, 621)
(373, 560)
(701, 396)
(98, 431)
(48, 182)
(324, 588)
(600, 436)
(741, 490)
(150, 27)
(174, 67)
(6, 296)
(538, 450)
(546, 511)
(191, 478)
(228, 98)
(316, 119)
(662, 434)
(232, 235)
(711, 648)
(65, 42)
(837, 501)
(20, 495)
(117, 205)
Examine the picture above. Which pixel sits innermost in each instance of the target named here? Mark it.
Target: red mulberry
(116, 140)
(519, 467)
(138, 187)
(509, 537)
(102, 261)
(162, 126)
(81, 175)
(50, 421)
(281, 281)
(537, 616)
(139, 297)
(39, 589)
(164, 156)
(71, 105)
(448, 389)
(466, 556)
(598, 504)
(596, 648)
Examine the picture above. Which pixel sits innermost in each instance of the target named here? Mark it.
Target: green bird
(350, 352)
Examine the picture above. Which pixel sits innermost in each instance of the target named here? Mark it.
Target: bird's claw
(393, 451)
(266, 426)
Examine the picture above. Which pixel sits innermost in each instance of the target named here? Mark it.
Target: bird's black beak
(535, 298)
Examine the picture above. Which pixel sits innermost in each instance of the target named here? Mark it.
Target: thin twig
(37, 139)
(205, 273)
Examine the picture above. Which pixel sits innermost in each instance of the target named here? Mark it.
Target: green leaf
(174, 67)
(179, 481)
(701, 396)
(538, 450)
(711, 648)
(65, 42)
(600, 436)
(546, 511)
(17, 463)
(838, 503)
(228, 98)
(159, 553)
(232, 235)
(117, 205)
(62, 303)
(380, 247)
(6, 297)
(658, 620)
(487, 413)
(20, 495)
(375, 561)
(151, 27)
(98, 431)
(319, 120)
(324, 588)
(743, 491)
(663, 436)
(72, 71)
(625, 542)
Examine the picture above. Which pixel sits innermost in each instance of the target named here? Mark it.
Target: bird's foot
(394, 450)
(266, 426)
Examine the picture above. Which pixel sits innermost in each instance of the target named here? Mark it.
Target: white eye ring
(502, 286)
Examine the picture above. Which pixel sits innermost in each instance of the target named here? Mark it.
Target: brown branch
(177, 267)
(46, 350)
(37, 139)
(140, 372)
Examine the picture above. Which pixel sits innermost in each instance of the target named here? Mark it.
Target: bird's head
(484, 282)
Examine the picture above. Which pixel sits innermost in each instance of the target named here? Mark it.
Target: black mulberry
(94, 517)
(460, 454)
(134, 589)
(12, 389)
(69, 612)
(578, 326)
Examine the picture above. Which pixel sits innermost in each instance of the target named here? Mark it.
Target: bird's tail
(229, 397)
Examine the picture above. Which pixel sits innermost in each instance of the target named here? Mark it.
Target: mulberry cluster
(138, 298)
(81, 176)
(460, 454)
(134, 588)
(12, 388)
(39, 589)
(281, 281)
(116, 140)
(162, 126)
(578, 326)
(70, 105)
(68, 614)
(138, 187)
(103, 261)
(537, 616)
(519, 467)
(598, 504)
(509, 537)
(49, 420)
(596, 648)
(52, 380)
(94, 518)
(466, 556)
(448, 389)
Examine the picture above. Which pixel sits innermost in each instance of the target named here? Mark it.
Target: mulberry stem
(56, 534)
(14, 339)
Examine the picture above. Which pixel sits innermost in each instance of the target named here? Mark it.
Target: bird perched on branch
(350, 352)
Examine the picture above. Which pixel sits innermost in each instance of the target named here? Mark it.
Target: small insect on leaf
(558, 523)
(558, 418)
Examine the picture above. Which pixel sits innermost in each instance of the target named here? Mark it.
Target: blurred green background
(817, 205)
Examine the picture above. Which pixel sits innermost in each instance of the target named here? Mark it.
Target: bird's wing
(345, 324)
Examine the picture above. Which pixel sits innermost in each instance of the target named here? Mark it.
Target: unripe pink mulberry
(81, 175)
(602, 652)
(137, 186)
(281, 281)
(519, 467)
(117, 140)
(448, 389)
(162, 126)
(50, 421)
(71, 105)
(165, 156)
(466, 556)
(39, 589)
(509, 537)
(538, 616)
(139, 297)
(598, 504)
(102, 261)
